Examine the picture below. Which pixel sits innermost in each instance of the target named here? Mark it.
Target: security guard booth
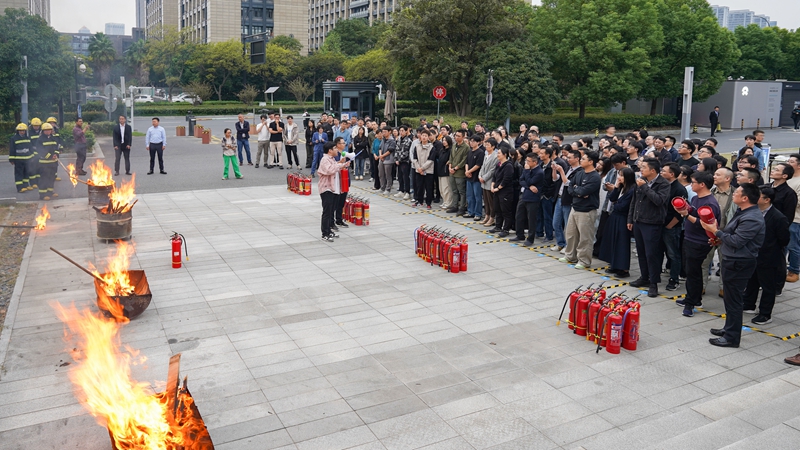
(347, 99)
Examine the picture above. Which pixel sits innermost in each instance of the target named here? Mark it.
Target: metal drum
(98, 195)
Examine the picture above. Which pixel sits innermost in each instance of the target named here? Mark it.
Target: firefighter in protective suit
(20, 154)
(48, 147)
(56, 132)
(34, 130)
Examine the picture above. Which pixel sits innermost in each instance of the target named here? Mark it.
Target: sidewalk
(294, 343)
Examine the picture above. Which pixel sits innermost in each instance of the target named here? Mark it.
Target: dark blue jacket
(531, 177)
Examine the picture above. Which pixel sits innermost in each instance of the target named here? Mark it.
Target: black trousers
(373, 172)
(292, 150)
(80, 152)
(118, 154)
(713, 128)
(157, 149)
(404, 177)
(693, 257)
(309, 155)
(423, 188)
(767, 279)
(19, 173)
(47, 178)
(504, 209)
(340, 201)
(648, 246)
(527, 213)
(598, 238)
(437, 195)
(735, 275)
(328, 206)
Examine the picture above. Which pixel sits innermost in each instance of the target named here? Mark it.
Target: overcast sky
(69, 15)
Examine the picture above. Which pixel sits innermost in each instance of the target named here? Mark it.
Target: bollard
(758, 123)
(771, 120)
(694, 129)
(180, 131)
(596, 132)
(206, 136)
(743, 124)
(198, 131)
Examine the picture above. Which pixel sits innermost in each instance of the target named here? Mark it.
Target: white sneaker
(555, 248)
(406, 197)
(370, 180)
(398, 195)
(564, 251)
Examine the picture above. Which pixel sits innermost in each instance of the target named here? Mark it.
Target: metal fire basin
(98, 195)
(198, 436)
(132, 305)
(114, 226)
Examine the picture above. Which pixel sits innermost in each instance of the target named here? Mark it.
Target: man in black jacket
(741, 240)
(584, 187)
(646, 220)
(671, 234)
(243, 139)
(713, 117)
(549, 194)
(123, 137)
(770, 262)
(531, 182)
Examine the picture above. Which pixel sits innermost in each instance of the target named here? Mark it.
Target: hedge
(561, 123)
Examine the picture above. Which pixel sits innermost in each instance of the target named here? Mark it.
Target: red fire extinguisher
(706, 214)
(288, 181)
(366, 212)
(308, 185)
(615, 335)
(455, 257)
(464, 252)
(178, 239)
(418, 240)
(602, 330)
(359, 208)
(571, 299)
(630, 327)
(582, 315)
(594, 310)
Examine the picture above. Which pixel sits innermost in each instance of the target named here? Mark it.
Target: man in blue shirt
(156, 141)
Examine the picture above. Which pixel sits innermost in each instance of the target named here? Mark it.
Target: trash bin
(192, 122)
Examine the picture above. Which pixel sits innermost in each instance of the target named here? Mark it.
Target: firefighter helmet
(36, 122)
(22, 127)
(51, 120)
(46, 127)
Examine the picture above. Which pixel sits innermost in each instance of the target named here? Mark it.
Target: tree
(471, 26)
(762, 54)
(301, 90)
(528, 87)
(375, 65)
(217, 62)
(692, 37)
(353, 37)
(135, 58)
(102, 55)
(170, 56)
(50, 72)
(279, 63)
(248, 94)
(320, 66)
(600, 49)
(287, 42)
(198, 89)
(790, 43)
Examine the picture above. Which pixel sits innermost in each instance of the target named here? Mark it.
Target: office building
(160, 15)
(731, 19)
(141, 14)
(246, 20)
(40, 8)
(79, 42)
(115, 29)
(323, 15)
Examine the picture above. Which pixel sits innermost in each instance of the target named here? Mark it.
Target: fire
(101, 174)
(135, 418)
(121, 196)
(73, 176)
(117, 280)
(41, 219)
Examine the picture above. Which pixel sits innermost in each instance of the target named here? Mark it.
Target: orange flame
(117, 280)
(103, 384)
(101, 174)
(73, 177)
(41, 219)
(121, 196)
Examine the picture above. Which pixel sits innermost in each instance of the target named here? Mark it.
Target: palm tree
(135, 58)
(102, 55)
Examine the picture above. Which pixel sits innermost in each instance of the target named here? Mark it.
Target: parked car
(143, 99)
(96, 98)
(187, 98)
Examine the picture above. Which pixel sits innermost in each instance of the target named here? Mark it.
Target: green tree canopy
(353, 37)
(521, 76)
(287, 42)
(279, 63)
(600, 49)
(375, 65)
(102, 55)
(692, 37)
(320, 66)
(217, 62)
(762, 53)
(169, 57)
(50, 72)
(468, 27)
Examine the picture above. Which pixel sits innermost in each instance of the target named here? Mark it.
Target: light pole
(82, 68)
(24, 99)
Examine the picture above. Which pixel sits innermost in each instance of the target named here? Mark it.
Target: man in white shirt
(156, 141)
(291, 136)
(263, 140)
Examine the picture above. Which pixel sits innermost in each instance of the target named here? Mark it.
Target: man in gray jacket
(486, 176)
(741, 240)
(386, 160)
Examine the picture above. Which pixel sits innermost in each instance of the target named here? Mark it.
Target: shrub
(564, 123)
(69, 142)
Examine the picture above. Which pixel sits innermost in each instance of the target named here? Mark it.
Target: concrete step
(779, 437)
(749, 397)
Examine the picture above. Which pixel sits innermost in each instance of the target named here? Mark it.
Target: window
(245, 29)
(258, 13)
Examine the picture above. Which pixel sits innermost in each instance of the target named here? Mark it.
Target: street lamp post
(82, 68)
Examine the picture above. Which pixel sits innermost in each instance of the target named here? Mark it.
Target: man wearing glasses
(695, 241)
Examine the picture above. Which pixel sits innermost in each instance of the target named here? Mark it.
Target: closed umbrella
(388, 108)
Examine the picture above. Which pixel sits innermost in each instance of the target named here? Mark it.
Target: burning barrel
(114, 226)
(98, 195)
(131, 303)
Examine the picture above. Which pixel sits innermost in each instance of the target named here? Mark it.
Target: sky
(69, 15)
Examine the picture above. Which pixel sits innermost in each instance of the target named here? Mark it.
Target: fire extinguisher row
(356, 210)
(440, 247)
(298, 183)
(610, 320)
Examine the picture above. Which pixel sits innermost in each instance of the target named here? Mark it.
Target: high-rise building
(36, 7)
(247, 20)
(115, 29)
(160, 15)
(731, 19)
(141, 14)
(79, 42)
(324, 14)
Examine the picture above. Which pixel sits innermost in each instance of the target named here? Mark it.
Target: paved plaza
(290, 342)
